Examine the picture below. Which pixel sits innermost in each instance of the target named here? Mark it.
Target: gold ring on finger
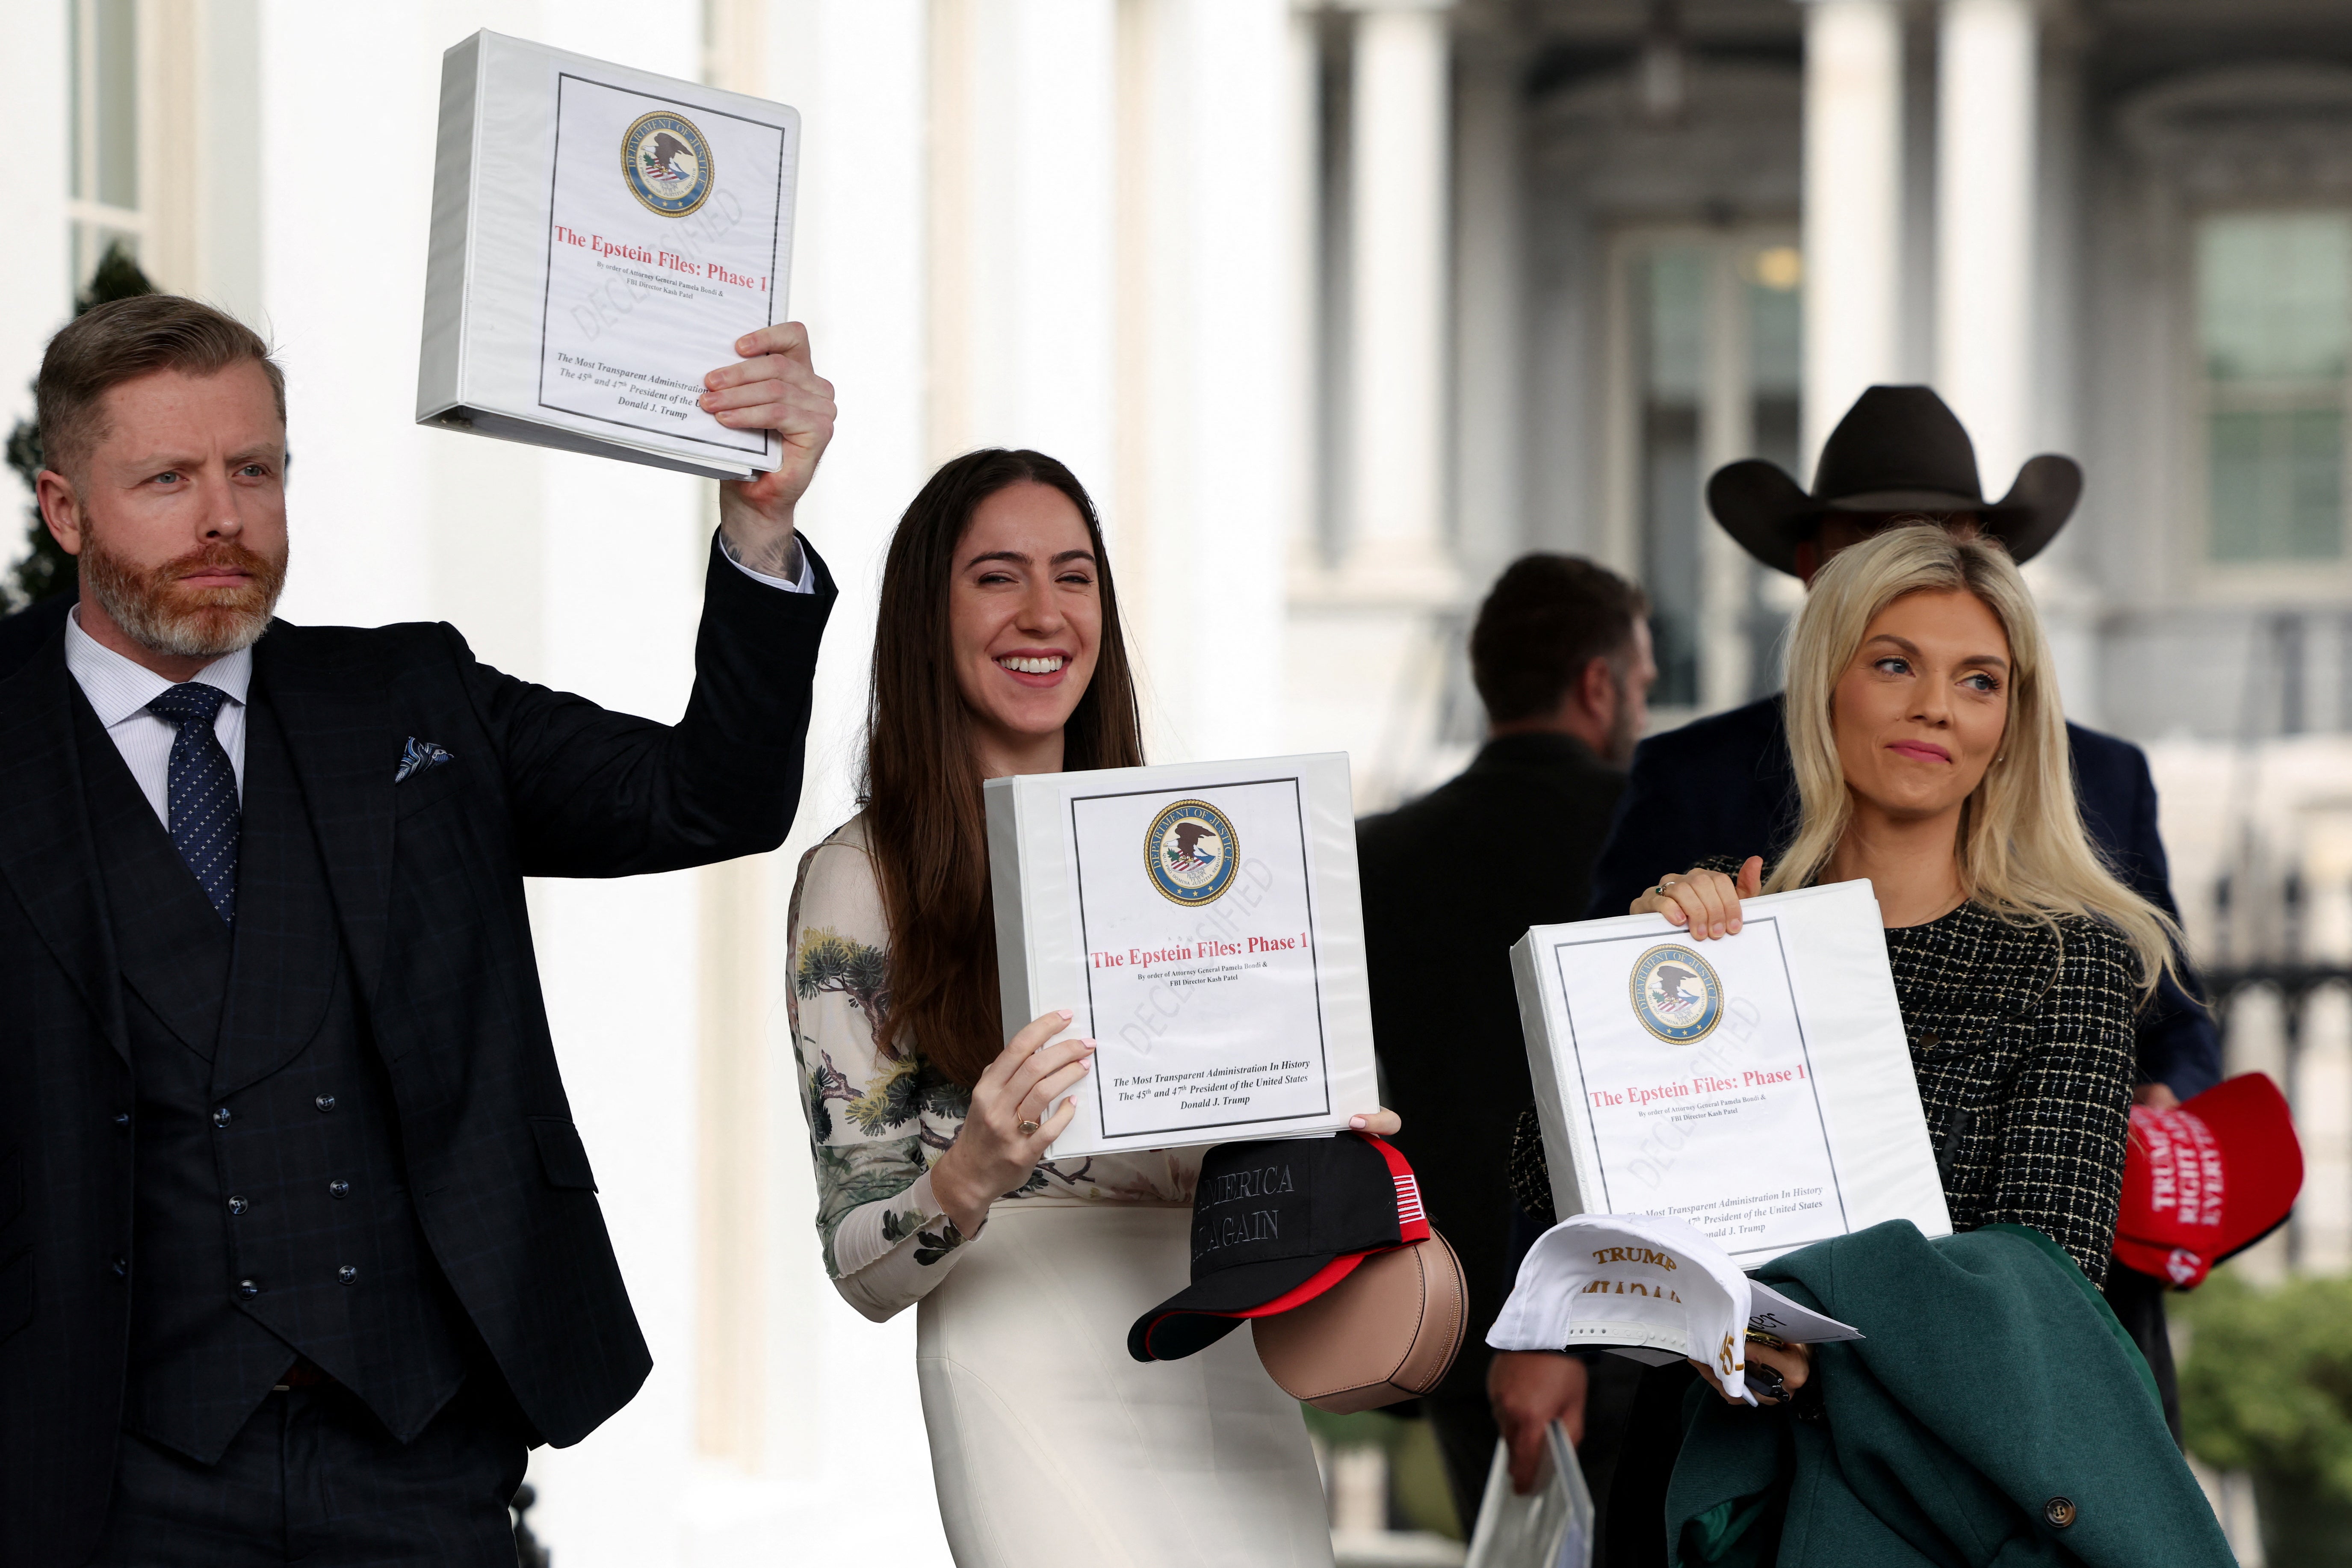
(1029, 1128)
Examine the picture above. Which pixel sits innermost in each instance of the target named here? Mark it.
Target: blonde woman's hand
(1014, 1117)
(1704, 903)
(1380, 1123)
(1793, 1363)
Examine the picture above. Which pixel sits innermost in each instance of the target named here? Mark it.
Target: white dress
(1052, 1447)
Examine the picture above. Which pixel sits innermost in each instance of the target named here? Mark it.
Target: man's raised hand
(772, 387)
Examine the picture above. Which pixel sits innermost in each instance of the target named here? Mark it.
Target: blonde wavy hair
(2023, 854)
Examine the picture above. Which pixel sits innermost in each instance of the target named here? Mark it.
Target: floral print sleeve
(877, 1118)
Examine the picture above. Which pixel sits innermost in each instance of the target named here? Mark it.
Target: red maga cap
(2207, 1178)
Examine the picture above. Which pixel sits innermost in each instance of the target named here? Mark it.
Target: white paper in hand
(1550, 1527)
(1652, 1287)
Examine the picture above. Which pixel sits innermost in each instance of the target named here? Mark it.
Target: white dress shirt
(120, 690)
(802, 581)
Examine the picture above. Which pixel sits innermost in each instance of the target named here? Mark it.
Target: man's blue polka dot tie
(204, 817)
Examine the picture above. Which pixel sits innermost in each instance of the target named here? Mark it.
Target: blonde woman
(1931, 757)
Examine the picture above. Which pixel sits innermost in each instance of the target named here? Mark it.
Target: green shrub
(2266, 1386)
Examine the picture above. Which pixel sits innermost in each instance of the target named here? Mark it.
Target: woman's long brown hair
(924, 819)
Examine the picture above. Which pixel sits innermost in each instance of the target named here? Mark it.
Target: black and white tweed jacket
(2021, 1037)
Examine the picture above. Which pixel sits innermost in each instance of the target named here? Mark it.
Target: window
(105, 207)
(2275, 329)
(1717, 359)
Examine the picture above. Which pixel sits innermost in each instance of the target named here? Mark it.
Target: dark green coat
(1995, 1416)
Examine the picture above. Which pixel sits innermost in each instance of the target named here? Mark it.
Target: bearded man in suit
(300, 1249)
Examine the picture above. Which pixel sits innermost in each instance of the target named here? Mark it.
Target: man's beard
(157, 612)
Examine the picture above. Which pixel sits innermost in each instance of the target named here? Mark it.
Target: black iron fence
(2260, 938)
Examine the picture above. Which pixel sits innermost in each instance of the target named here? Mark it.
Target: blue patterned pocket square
(417, 756)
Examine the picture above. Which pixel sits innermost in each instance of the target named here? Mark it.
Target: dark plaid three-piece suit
(296, 1201)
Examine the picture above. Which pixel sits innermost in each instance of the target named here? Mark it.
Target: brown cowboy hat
(1898, 449)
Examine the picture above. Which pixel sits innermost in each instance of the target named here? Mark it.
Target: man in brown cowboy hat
(1898, 452)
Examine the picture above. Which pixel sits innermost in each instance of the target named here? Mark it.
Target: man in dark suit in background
(300, 1249)
(1723, 784)
(1561, 653)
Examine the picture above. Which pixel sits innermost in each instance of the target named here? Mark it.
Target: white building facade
(1335, 307)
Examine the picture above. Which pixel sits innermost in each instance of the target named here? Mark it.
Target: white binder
(1204, 925)
(1758, 1086)
(601, 238)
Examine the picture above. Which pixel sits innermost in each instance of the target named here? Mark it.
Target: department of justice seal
(1190, 852)
(1677, 995)
(666, 163)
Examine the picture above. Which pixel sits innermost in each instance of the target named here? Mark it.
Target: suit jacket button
(247, 1289)
(2059, 1511)
(237, 1204)
(325, 1102)
(220, 1117)
(349, 1273)
(339, 1188)
(122, 1266)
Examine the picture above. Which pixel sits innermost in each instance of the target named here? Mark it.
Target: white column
(832, 1383)
(228, 228)
(1984, 225)
(1727, 434)
(1490, 359)
(1366, 658)
(1023, 223)
(1208, 328)
(1399, 137)
(35, 263)
(620, 961)
(1853, 205)
(338, 223)
(1302, 218)
(857, 71)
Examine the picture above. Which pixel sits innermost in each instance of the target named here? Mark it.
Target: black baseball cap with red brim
(2207, 1178)
(1277, 1223)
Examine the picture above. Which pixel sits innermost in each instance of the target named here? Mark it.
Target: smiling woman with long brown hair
(998, 651)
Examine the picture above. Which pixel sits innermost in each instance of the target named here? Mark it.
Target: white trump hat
(1651, 1287)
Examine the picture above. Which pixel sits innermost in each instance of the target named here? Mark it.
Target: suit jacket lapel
(47, 858)
(345, 743)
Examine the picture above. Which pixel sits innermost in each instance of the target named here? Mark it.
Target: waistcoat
(271, 1210)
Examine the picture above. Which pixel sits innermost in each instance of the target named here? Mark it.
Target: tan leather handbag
(1388, 1332)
